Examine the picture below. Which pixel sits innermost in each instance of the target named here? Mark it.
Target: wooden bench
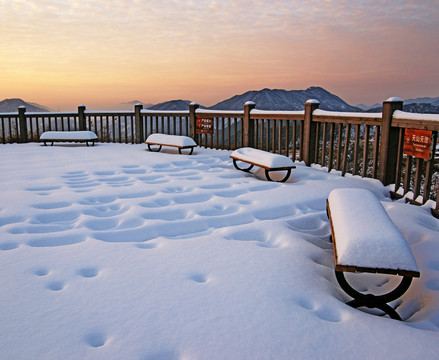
(178, 141)
(262, 159)
(366, 240)
(68, 136)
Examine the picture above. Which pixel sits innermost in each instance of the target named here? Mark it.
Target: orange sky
(63, 53)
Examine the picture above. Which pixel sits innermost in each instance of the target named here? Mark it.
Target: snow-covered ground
(114, 252)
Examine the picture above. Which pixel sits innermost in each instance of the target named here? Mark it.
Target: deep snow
(114, 252)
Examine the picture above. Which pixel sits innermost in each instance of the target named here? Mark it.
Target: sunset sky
(63, 53)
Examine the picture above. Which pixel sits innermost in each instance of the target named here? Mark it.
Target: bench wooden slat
(263, 159)
(263, 166)
(177, 141)
(171, 145)
(68, 136)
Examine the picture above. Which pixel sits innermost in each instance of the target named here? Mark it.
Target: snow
(155, 112)
(278, 112)
(174, 140)
(238, 113)
(68, 135)
(264, 158)
(365, 235)
(394, 99)
(398, 114)
(105, 113)
(347, 114)
(114, 252)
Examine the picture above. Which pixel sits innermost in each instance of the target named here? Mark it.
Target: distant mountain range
(265, 99)
(11, 105)
(171, 105)
(130, 104)
(275, 99)
(420, 108)
(292, 100)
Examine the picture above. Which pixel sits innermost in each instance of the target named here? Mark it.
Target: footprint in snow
(56, 285)
(96, 339)
(88, 272)
(8, 246)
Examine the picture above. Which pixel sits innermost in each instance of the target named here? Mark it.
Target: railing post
(388, 153)
(249, 128)
(22, 136)
(308, 143)
(81, 118)
(140, 136)
(193, 106)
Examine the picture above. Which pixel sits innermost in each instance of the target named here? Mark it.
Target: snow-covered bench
(263, 159)
(178, 141)
(366, 240)
(68, 136)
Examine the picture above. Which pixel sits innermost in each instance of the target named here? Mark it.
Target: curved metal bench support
(283, 180)
(151, 149)
(235, 164)
(73, 140)
(374, 301)
(190, 153)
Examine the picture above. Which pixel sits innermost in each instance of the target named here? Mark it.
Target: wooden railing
(228, 128)
(9, 128)
(415, 178)
(363, 144)
(348, 142)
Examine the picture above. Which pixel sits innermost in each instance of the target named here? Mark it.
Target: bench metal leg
(151, 149)
(190, 153)
(283, 180)
(235, 164)
(374, 301)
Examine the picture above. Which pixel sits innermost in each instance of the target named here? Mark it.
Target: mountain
(130, 104)
(423, 105)
(367, 107)
(276, 99)
(171, 105)
(12, 105)
(423, 100)
(265, 99)
(420, 108)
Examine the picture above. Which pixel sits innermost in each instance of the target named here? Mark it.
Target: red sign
(417, 143)
(204, 126)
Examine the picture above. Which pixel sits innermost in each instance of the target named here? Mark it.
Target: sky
(64, 53)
